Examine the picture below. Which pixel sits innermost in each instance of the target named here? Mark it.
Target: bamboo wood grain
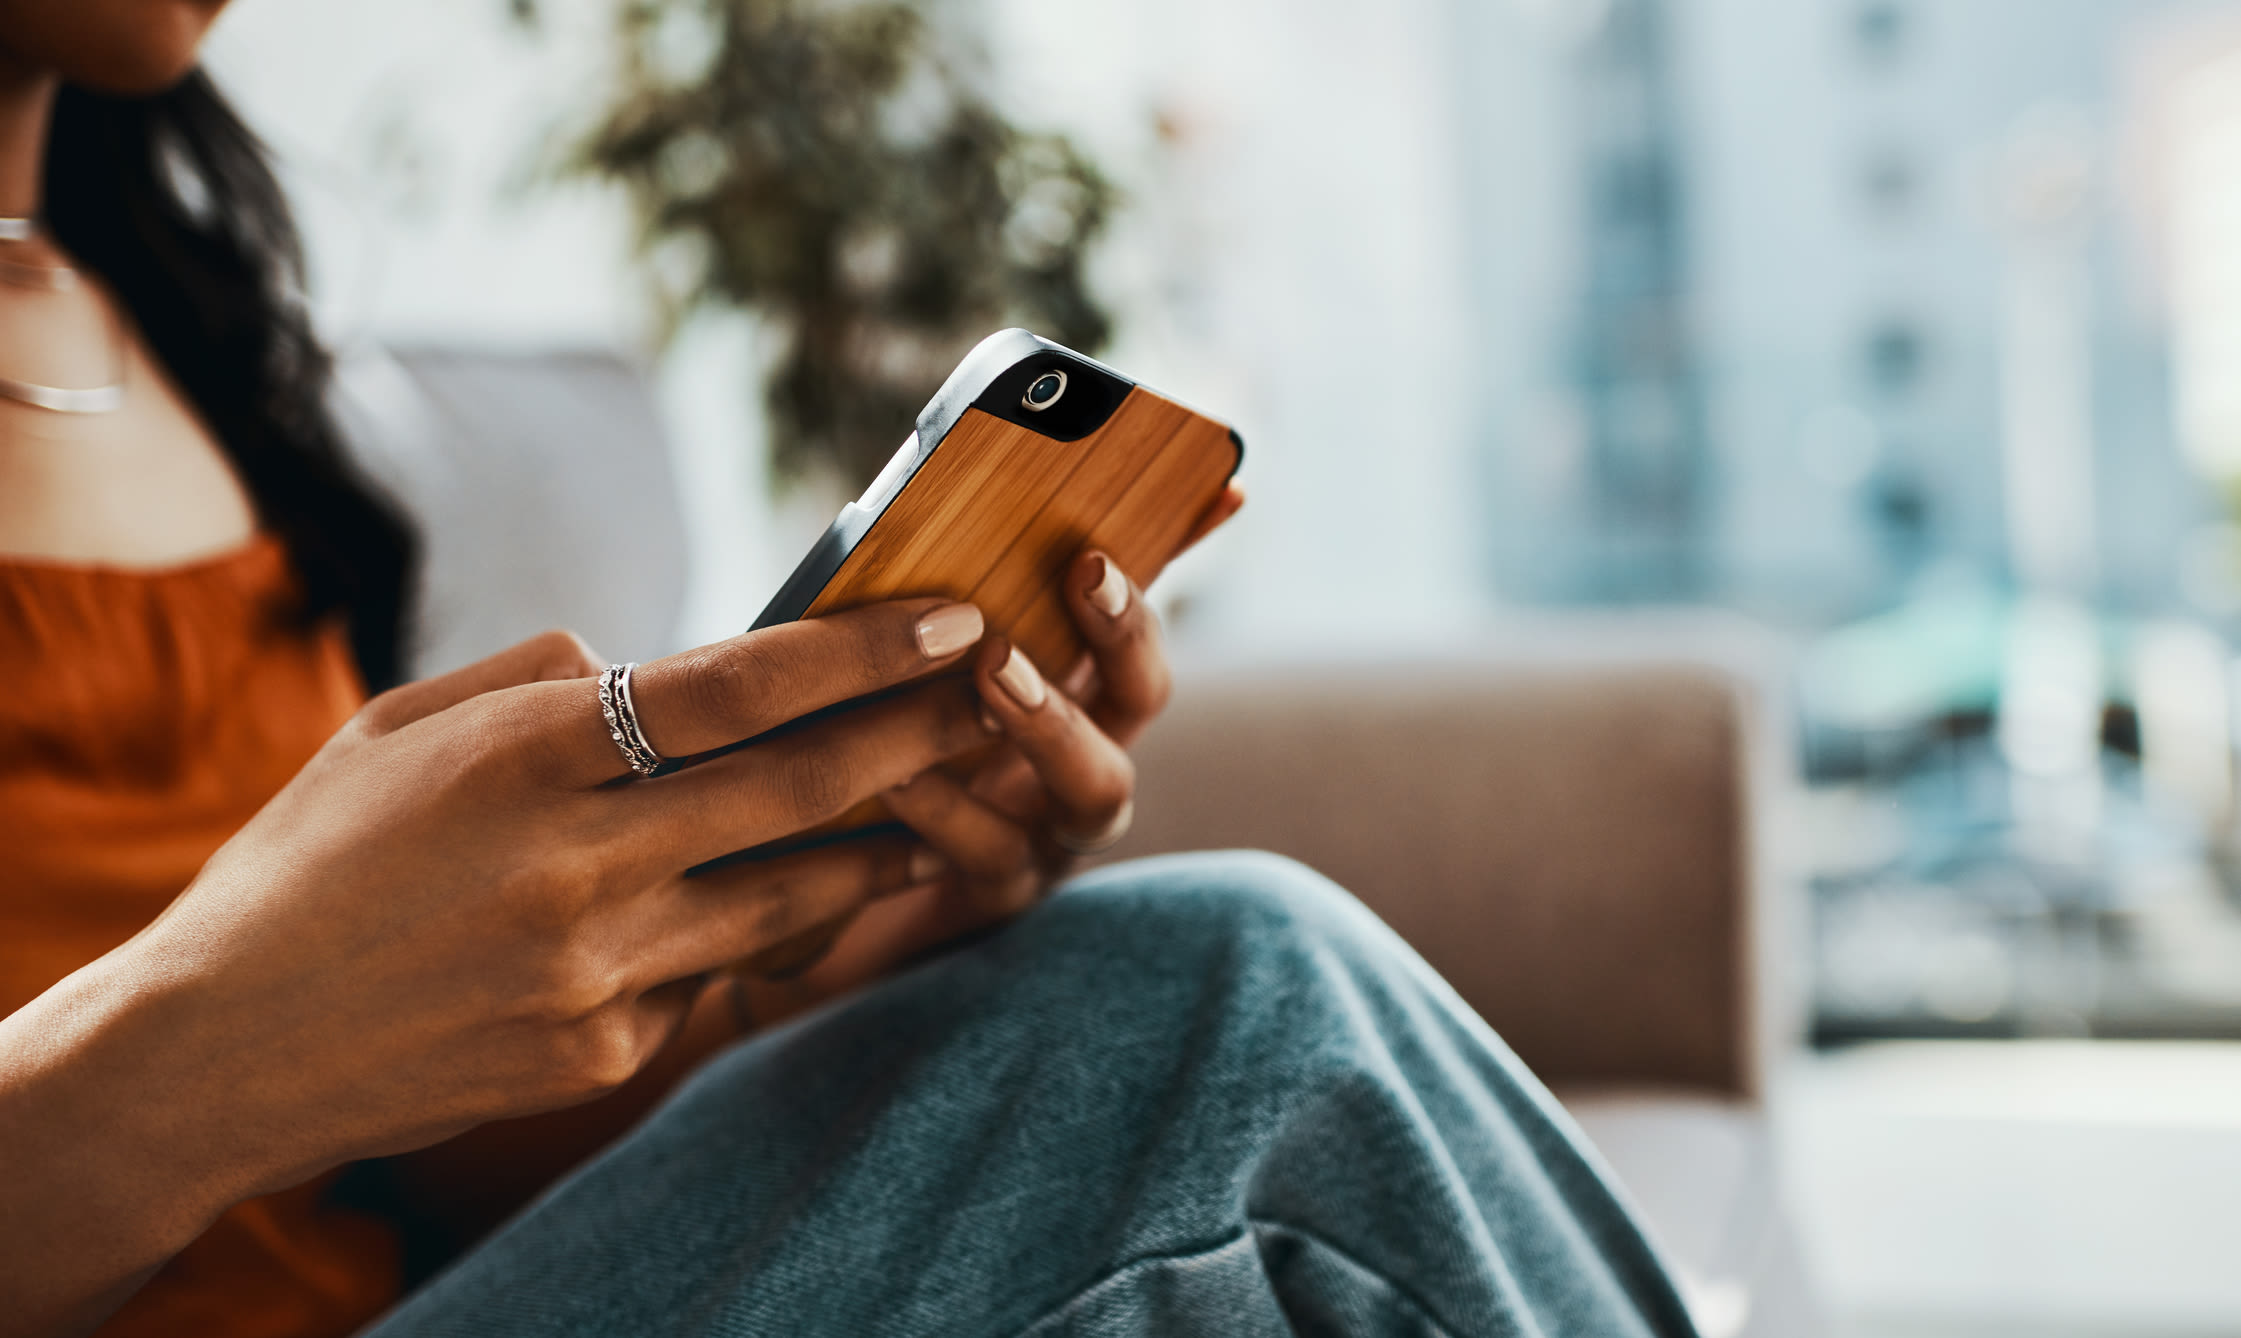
(997, 513)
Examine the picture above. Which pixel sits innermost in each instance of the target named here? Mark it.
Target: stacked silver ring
(622, 719)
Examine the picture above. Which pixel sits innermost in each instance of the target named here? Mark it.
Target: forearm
(113, 1155)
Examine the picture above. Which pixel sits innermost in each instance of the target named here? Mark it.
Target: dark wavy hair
(171, 199)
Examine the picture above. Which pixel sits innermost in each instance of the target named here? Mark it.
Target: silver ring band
(621, 710)
(1097, 843)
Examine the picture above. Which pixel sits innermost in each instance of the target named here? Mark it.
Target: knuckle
(818, 781)
(1023, 889)
(1159, 685)
(378, 711)
(546, 735)
(710, 686)
(533, 914)
(877, 642)
(382, 714)
(546, 901)
(561, 653)
(728, 683)
(938, 800)
(574, 982)
(1064, 721)
(890, 867)
(956, 726)
(496, 745)
(602, 836)
(1115, 788)
(1011, 850)
(598, 1053)
(774, 913)
(871, 645)
(369, 723)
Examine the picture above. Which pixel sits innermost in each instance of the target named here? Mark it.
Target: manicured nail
(927, 864)
(1020, 680)
(1110, 595)
(948, 630)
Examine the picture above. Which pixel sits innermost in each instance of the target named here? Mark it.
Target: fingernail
(1110, 595)
(948, 630)
(926, 864)
(1020, 680)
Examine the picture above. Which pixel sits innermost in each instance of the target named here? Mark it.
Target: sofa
(1569, 834)
(1568, 820)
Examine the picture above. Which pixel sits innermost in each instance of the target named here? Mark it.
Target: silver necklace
(64, 399)
(60, 279)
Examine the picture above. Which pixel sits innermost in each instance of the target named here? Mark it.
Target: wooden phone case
(985, 505)
(997, 512)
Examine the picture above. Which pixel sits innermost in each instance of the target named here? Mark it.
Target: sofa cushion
(542, 490)
(1566, 845)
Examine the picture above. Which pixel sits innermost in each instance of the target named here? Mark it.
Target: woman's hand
(1064, 785)
(1061, 785)
(452, 915)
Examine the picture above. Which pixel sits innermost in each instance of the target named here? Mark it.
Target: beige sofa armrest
(1567, 846)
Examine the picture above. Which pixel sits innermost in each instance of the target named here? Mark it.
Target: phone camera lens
(1043, 391)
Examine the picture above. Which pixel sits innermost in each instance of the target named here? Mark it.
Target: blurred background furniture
(1571, 842)
(1569, 825)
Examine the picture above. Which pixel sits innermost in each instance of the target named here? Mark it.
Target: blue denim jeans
(1196, 1095)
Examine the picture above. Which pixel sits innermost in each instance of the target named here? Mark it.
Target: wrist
(126, 1138)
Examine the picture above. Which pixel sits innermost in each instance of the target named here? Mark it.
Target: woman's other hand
(1065, 785)
(1062, 785)
(455, 914)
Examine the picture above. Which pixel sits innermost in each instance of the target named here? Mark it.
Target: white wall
(1295, 261)
(1309, 285)
(411, 133)
(406, 127)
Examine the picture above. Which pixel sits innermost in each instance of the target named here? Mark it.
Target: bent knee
(1222, 898)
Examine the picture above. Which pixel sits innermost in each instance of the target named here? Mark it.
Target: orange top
(147, 715)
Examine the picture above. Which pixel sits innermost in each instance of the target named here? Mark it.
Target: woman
(255, 932)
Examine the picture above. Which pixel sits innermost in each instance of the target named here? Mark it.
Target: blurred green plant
(826, 165)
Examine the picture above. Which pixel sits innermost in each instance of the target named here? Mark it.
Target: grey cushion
(542, 487)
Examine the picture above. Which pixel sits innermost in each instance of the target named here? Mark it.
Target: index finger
(1215, 516)
(719, 694)
(542, 658)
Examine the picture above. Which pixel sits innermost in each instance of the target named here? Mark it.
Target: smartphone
(1028, 454)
